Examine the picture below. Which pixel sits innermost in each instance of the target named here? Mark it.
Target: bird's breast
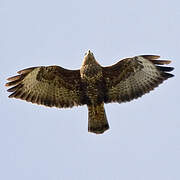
(95, 90)
(91, 72)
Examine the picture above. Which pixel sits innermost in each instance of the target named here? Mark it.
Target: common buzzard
(91, 85)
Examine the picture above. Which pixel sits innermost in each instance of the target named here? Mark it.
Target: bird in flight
(91, 85)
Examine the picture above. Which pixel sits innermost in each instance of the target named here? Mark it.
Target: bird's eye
(85, 54)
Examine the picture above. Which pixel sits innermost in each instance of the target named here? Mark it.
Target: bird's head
(90, 67)
(89, 58)
(89, 53)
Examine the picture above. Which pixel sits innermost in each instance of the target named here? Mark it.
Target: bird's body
(95, 89)
(92, 85)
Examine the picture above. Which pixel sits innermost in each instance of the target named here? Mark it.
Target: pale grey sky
(143, 142)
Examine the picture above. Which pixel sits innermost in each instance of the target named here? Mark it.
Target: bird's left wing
(131, 78)
(49, 86)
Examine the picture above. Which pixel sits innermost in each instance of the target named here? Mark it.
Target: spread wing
(50, 86)
(133, 77)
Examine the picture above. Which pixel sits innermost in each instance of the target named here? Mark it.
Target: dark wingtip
(14, 88)
(165, 68)
(167, 75)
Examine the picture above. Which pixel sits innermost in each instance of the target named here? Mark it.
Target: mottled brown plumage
(92, 85)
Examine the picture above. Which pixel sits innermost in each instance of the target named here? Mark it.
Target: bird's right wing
(49, 86)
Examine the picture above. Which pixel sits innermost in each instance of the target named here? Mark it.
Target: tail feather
(97, 121)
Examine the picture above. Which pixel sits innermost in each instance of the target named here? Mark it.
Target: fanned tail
(97, 121)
